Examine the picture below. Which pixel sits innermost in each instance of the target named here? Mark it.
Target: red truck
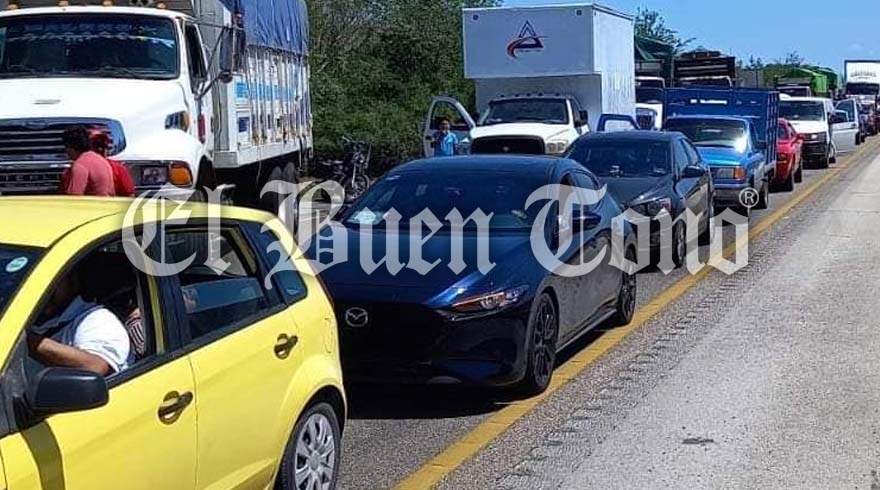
(789, 163)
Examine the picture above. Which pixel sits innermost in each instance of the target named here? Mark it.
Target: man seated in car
(74, 333)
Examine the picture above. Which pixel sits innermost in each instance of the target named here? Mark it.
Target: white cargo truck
(863, 80)
(543, 77)
(193, 93)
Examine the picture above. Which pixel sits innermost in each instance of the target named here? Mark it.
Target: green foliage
(375, 66)
(652, 25)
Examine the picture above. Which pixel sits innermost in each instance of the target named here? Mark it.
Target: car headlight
(488, 303)
(557, 147)
(816, 137)
(730, 173)
(160, 172)
(655, 207)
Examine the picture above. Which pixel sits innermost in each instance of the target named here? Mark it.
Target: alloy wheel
(544, 342)
(315, 459)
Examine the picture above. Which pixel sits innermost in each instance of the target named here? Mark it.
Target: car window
(681, 157)
(693, 154)
(281, 269)
(222, 286)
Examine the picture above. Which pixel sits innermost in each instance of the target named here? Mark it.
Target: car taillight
(203, 129)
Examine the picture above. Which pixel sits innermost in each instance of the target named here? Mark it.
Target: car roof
(42, 221)
(633, 136)
(534, 165)
(712, 117)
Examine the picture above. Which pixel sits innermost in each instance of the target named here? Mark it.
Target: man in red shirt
(90, 174)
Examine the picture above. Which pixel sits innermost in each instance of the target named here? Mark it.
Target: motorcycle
(350, 173)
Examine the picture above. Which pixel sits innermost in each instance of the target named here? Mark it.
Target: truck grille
(32, 155)
(520, 145)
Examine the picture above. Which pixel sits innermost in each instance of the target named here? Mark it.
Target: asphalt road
(761, 379)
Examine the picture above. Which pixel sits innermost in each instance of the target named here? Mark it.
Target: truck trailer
(195, 94)
(863, 80)
(543, 77)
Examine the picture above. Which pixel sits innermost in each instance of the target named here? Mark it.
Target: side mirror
(64, 390)
(693, 172)
(580, 123)
(584, 116)
(584, 220)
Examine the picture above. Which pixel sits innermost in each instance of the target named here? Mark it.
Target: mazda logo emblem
(357, 317)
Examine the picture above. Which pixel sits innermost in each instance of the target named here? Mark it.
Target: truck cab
(736, 132)
(524, 124)
(736, 157)
(145, 86)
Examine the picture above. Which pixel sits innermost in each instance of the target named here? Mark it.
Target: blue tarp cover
(279, 24)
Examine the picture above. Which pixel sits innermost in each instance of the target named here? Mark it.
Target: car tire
(764, 199)
(627, 295)
(543, 332)
(312, 454)
(708, 233)
(799, 175)
(788, 185)
(679, 244)
(832, 157)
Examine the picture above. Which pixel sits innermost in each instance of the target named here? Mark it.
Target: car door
(143, 438)
(242, 339)
(461, 123)
(698, 187)
(576, 302)
(606, 278)
(845, 128)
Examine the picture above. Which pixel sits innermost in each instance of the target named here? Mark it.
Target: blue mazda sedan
(424, 297)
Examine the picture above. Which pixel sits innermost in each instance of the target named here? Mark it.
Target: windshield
(802, 110)
(548, 111)
(712, 132)
(862, 89)
(88, 45)
(502, 195)
(15, 263)
(796, 91)
(623, 158)
(649, 95)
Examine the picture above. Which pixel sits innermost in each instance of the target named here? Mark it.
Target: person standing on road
(445, 141)
(90, 174)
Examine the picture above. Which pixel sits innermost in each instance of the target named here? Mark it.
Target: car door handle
(284, 345)
(173, 406)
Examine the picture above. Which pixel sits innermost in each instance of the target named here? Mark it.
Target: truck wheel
(271, 201)
(764, 199)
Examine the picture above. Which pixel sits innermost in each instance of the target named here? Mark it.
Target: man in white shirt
(80, 334)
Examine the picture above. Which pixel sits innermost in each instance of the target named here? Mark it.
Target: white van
(813, 117)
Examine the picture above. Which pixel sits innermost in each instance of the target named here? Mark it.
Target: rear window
(15, 264)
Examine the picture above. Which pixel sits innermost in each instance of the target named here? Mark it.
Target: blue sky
(824, 32)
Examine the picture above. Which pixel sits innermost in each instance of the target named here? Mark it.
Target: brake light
(203, 129)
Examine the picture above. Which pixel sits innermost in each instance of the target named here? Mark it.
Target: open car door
(461, 122)
(616, 122)
(845, 130)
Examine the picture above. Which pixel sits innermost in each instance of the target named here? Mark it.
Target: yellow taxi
(144, 352)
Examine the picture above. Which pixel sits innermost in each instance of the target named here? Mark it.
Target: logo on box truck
(528, 41)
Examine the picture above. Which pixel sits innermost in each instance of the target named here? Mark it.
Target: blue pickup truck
(735, 132)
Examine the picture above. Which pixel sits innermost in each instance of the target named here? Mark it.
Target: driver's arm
(52, 353)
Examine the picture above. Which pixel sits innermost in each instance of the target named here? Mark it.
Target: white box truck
(543, 77)
(863, 80)
(193, 92)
